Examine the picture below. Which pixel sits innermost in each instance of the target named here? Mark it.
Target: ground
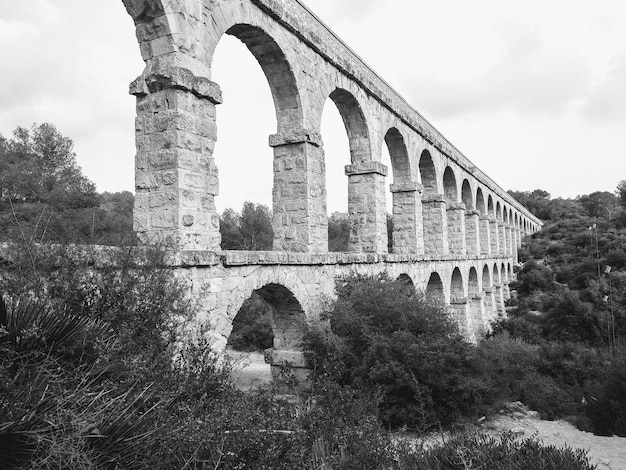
(608, 453)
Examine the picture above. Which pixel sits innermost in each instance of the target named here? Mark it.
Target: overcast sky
(533, 92)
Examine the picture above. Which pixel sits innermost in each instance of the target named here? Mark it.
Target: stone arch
(144, 11)
(455, 213)
(496, 274)
(289, 143)
(483, 222)
(434, 220)
(476, 304)
(480, 202)
(355, 123)
(450, 186)
(407, 283)
(473, 286)
(400, 165)
(472, 220)
(286, 299)
(435, 288)
(277, 70)
(288, 318)
(406, 236)
(459, 304)
(486, 278)
(366, 211)
(457, 290)
(490, 307)
(428, 174)
(466, 195)
(490, 208)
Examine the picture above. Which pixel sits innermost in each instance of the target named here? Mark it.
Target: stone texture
(177, 178)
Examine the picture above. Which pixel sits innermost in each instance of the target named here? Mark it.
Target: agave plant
(30, 326)
(58, 406)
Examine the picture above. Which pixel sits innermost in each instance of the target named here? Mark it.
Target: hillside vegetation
(100, 370)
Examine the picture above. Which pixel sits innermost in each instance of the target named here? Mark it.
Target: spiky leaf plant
(60, 405)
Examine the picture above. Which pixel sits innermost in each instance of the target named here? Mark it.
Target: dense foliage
(569, 317)
(382, 337)
(44, 196)
(100, 370)
(250, 230)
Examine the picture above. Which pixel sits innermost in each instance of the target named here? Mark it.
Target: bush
(61, 405)
(606, 405)
(476, 451)
(403, 346)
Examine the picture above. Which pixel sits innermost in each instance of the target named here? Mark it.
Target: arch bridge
(455, 231)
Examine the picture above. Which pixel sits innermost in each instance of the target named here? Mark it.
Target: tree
(599, 204)
(39, 165)
(256, 227)
(45, 197)
(338, 232)
(621, 193)
(251, 230)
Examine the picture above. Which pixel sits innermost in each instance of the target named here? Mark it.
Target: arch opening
(402, 204)
(269, 325)
(434, 288)
(361, 188)
(407, 284)
(257, 58)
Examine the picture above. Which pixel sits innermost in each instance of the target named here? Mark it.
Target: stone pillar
(499, 300)
(506, 290)
(176, 179)
(491, 311)
(485, 243)
(435, 225)
(299, 220)
(288, 368)
(456, 228)
(477, 311)
(408, 233)
(366, 207)
(459, 309)
(502, 238)
(472, 232)
(494, 239)
(509, 240)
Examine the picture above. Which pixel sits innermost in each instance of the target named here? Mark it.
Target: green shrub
(403, 346)
(477, 451)
(61, 406)
(606, 404)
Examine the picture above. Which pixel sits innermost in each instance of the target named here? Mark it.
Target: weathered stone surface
(435, 236)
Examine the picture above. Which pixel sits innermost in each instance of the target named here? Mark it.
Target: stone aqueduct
(456, 232)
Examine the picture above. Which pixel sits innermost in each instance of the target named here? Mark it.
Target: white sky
(532, 92)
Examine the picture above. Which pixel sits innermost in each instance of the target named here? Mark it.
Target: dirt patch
(249, 369)
(605, 452)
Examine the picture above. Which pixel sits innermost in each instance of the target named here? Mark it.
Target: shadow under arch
(407, 283)
(435, 288)
(287, 320)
